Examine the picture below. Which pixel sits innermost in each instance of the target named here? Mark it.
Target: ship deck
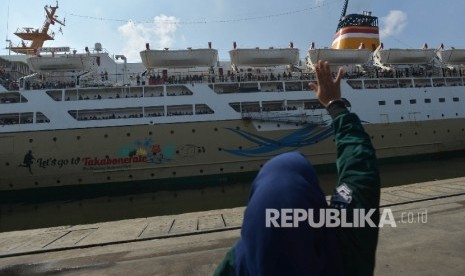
(194, 243)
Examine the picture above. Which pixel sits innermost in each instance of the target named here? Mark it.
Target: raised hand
(327, 89)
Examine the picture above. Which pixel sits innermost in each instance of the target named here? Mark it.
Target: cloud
(160, 34)
(393, 24)
(165, 28)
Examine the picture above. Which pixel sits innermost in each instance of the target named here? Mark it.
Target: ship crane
(38, 36)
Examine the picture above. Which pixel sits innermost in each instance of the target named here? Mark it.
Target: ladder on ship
(277, 116)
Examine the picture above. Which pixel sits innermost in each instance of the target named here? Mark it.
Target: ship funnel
(234, 45)
(291, 44)
(209, 45)
(425, 46)
(147, 46)
(442, 46)
(354, 29)
(312, 46)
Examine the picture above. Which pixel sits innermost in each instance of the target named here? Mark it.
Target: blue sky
(123, 27)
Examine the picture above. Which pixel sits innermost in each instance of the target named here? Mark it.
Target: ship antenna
(7, 26)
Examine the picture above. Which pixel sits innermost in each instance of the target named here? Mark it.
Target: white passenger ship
(184, 117)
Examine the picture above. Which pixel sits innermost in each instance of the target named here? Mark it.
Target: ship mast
(343, 14)
(38, 36)
(344, 10)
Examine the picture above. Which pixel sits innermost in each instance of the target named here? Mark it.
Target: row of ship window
(414, 101)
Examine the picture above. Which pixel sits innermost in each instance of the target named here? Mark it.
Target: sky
(124, 27)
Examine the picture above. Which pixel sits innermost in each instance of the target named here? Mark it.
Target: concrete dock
(429, 240)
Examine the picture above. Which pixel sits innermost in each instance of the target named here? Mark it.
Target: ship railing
(23, 80)
(284, 117)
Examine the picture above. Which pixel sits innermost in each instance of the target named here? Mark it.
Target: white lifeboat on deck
(451, 56)
(338, 57)
(61, 62)
(257, 57)
(188, 58)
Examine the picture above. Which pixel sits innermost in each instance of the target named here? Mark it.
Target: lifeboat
(338, 57)
(405, 56)
(202, 57)
(257, 57)
(452, 56)
(53, 63)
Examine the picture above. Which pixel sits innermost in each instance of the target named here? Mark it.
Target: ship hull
(174, 152)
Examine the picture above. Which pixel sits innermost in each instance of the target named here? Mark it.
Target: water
(85, 211)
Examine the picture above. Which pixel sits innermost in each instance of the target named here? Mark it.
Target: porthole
(36, 183)
(150, 133)
(172, 132)
(54, 139)
(108, 177)
(215, 129)
(434, 131)
(382, 136)
(174, 173)
(220, 149)
(201, 171)
(427, 116)
(31, 140)
(238, 128)
(242, 167)
(402, 117)
(105, 136)
(152, 174)
(78, 137)
(177, 151)
(448, 131)
(128, 134)
(240, 147)
(7, 164)
(11, 185)
(416, 133)
(130, 176)
(400, 134)
(58, 181)
(221, 169)
(193, 130)
(278, 125)
(259, 126)
(80, 180)
(442, 115)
